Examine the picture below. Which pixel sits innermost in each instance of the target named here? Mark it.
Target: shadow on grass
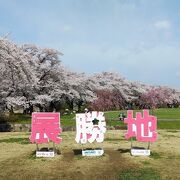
(137, 147)
(123, 151)
(32, 155)
(113, 139)
(172, 131)
(129, 150)
(77, 152)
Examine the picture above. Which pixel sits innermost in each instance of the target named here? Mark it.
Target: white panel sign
(93, 152)
(140, 152)
(90, 127)
(45, 153)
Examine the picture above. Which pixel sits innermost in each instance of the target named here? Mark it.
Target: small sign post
(140, 152)
(93, 152)
(143, 128)
(90, 126)
(45, 128)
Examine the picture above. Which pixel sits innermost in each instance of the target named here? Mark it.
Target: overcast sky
(140, 39)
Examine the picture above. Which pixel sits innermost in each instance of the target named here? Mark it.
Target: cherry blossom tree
(108, 100)
(34, 76)
(47, 67)
(16, 76)
(156, 97)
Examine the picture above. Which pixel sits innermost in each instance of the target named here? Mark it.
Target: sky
(140, 39)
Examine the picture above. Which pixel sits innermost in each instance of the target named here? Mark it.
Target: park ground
(18, 161)
(168, 118)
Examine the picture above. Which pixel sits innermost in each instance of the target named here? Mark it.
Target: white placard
(140, 152)
(45, 153)
(93, 152)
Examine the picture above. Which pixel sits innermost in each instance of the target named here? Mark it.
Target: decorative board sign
(143, 128)
(93, 152)
(140, 152)
(90, 127)
(45, 154)
(45, 128)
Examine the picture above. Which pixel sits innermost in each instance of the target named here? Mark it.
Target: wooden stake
(131, 143)
(54, 147)
(148, 145)
(37, 148)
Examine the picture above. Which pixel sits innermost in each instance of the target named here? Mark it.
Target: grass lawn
(167, 118)
(18, 161)
(168, 124)
(162, 113)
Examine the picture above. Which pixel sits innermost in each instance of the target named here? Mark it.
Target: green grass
(68, 120)
(155, 155)
(145, 162)
(116, 123)
(168, 118)
(168, 125)
(162, 113)
(139, 174)
(16, 140)
(167, 113)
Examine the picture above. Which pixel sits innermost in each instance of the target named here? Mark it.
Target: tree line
(34, 77)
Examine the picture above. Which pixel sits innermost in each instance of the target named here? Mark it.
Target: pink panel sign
(45, 127)
(142, 127)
